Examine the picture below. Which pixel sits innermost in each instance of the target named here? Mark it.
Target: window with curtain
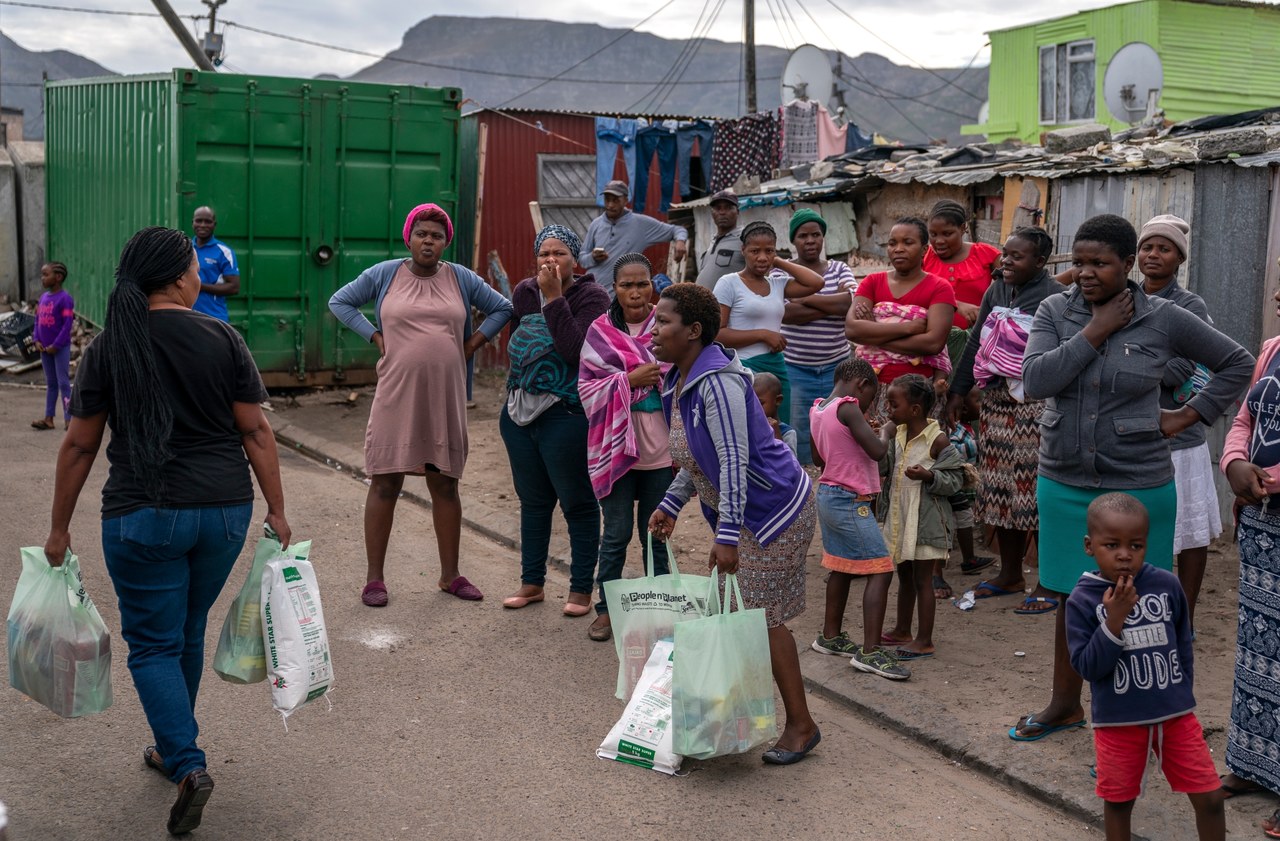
(1067, 82)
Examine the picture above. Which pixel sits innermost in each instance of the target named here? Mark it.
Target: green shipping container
(310, 179)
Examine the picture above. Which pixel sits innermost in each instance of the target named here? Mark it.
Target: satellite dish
(807, 75)
(1133, 82)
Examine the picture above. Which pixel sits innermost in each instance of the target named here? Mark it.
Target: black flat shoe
(193, 793)
(152, 758)
(777, 756)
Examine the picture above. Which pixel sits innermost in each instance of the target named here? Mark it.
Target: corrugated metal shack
(1231, 199)
(512, 157)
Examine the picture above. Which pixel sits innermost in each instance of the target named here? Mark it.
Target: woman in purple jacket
(724, 446)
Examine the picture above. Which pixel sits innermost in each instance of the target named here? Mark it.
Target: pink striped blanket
(1001, 348)
(608, 354)
(891, 312)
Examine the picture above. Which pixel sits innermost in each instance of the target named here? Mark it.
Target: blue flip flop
(905, 654)
(987, 590)
(1045, 729)
(1025, 608)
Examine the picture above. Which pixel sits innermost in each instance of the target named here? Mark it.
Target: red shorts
(1179, 746)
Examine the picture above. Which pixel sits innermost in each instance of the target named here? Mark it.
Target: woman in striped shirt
(814, 326)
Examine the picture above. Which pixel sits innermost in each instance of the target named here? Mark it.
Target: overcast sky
(936, 33)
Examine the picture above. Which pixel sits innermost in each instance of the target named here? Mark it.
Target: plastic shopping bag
(241, 657)
(722, 683)
(297, 644)
(645, 610)
(643, 735)
(59, 647)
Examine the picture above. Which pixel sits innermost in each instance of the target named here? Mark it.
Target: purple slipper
(464, 589)
(374, 594)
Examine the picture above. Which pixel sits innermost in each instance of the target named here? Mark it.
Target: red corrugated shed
(511, 181)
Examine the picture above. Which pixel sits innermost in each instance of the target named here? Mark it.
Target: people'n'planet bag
(722, 680)
(59, 647)
(645, 610)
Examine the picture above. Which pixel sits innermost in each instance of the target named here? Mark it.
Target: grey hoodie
(1101, 422)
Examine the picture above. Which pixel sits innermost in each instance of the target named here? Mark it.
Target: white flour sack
(298, 665)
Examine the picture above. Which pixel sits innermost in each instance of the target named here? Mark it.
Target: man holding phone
(620, 231)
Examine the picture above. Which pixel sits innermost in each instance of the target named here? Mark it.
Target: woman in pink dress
(418, 423)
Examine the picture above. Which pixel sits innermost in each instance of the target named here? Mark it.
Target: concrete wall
(9, 277)
(28, 171)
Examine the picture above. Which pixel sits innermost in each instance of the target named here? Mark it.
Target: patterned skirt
(1253, 739)
(1008, 457)
(771, 577)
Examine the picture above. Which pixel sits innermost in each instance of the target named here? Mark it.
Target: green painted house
(1218, 57)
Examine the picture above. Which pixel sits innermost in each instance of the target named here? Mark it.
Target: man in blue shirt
(619, 231)
(219, 275)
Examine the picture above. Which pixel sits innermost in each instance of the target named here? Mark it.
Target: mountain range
(583, 67)
(21, 75)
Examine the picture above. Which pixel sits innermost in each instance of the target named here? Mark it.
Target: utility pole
(749, 37)
(212, 40)
(187, 40)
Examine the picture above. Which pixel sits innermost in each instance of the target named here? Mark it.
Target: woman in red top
(900, 319)
(967, 265)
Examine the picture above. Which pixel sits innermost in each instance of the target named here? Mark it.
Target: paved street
(449, 720)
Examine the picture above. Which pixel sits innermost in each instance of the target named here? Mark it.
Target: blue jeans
(646, 487)
(650, 140)
(685, 136)
(168, 566)
(807, 385)
(610, 134)
(548, 465)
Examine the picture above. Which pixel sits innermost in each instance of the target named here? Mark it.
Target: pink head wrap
(422, 208)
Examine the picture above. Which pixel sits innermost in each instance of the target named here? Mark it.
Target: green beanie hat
(806, 215)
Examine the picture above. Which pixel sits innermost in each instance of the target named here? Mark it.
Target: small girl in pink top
(848, 449)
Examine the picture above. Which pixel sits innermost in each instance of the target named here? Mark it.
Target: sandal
(976, 565)
(1240, 790)
(374, 594)
(940, 586)
(1271, 826)
(464, 589)
(1029, 606)
(42, 423)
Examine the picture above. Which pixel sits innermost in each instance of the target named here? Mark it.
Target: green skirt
(1062, 529)
(776, 364)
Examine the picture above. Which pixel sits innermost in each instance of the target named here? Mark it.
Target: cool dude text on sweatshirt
(1144, 677)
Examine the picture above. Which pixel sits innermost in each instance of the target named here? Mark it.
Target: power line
(582, 61)
(682, 63)
(671, 88)
(880, 91)
(381, 56)
(785, 34)
(49, 8)
(670, 72)
(859, 23)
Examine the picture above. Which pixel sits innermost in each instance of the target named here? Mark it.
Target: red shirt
(970, 277)
(929, 291)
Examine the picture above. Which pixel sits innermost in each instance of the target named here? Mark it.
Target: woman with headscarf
(418, 422)
(628, 454)
(813, 326)
(543, 423)
(181, 395)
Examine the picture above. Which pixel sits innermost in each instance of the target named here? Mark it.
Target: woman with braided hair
(628, 454)
(543, 424)
(181, 395)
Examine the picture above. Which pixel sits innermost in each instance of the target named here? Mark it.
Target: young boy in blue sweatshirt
(1129, 635)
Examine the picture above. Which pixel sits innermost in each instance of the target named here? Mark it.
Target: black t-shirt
(205, 367)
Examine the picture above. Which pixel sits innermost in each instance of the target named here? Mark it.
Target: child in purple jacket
(55, 315)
